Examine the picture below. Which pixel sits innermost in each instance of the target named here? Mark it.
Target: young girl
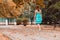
(38, 17)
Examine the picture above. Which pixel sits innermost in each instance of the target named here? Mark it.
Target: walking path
(29, 32)
(3, 37)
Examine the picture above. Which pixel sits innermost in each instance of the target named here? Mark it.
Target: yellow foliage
(1, 1)
(40, 3)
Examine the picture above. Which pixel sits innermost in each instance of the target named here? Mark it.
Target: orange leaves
(41, 3)
(1, 1)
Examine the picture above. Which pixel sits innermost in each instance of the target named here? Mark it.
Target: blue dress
(38, 18)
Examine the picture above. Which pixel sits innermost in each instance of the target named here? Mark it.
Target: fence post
(14, 21)
(6, 22)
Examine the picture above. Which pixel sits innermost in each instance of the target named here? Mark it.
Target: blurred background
(22, 11)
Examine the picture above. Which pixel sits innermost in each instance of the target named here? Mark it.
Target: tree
(7, 11)
(18, 2)
(57, 5)
(53, 12)
(41, 3)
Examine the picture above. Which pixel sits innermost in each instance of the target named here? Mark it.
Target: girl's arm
(40, 11)
(34, 14)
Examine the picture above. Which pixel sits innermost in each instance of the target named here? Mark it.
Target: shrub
(19, 21)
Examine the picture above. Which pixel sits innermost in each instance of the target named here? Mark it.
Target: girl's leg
(39, 27)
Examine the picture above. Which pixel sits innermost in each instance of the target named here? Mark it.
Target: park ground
(29, 32)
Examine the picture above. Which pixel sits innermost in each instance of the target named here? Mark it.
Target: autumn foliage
(41, 3)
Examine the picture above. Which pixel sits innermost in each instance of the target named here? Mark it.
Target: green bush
(19, 21)
(25, 21)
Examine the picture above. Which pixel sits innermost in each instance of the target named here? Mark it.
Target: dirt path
(29, 33)
(3, 37)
